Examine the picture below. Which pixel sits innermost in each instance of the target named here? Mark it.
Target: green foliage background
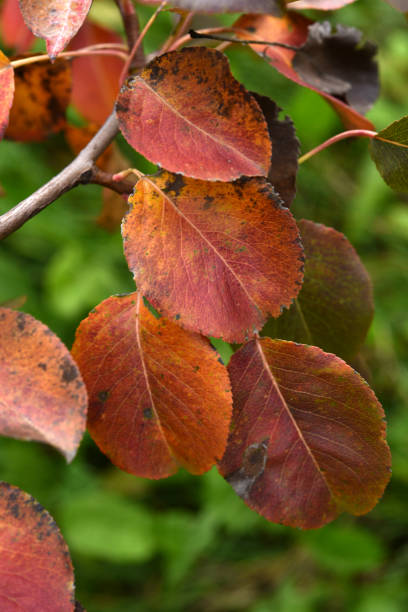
(189, 543)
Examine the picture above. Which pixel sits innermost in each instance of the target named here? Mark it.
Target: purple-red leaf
(335, 306)
(186, 112)
(6, 91)
(41, 97)
(285, 149)
(292, 29)
(57, 21)
(159, 397)
(308, 436)
(219, 257)
(321, 5)
(35, 566)
(43, 396)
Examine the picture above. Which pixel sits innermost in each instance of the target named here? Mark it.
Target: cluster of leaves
(215, 252)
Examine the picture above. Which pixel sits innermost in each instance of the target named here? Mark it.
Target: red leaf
(6, 91)
(216, 256)
(95, 78)
(43, 396)
(57, 21)
(293, 30)
(159, 398)
(41, 97)
(334, 308)
(321, 5)
(309, 436)
(35, 566)
(186, 112)
(14, 31)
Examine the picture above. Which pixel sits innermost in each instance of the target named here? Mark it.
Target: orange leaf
(309, 435)
(35, 566)
(6, 91)
(159, 398)
(42, 93)
(292, 29)
(186, 112)
(95, 78)
(216, 256)
(43, 396)
(57, 21)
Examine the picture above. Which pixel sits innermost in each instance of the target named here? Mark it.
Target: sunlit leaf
(293, 30)
(95, 78)
(216, 256)
(43, 396)
(308, 440)
(14, 32)
(42, 94)
(321, 5)
(57, 21)
(272, 7)
(335, 306)
(186, 112)
(285, 149)
(35, 567)
(389, 150)
(159, 398)
(6, 91)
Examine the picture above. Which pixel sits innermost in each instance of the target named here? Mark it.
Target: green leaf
(389, 150)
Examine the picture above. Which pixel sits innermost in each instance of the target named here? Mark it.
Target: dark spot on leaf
(148, 413)
(103, 396)
(69, 371)
(176, 184)
(21, 321)
(43, 366)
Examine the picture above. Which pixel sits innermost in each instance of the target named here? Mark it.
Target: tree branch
(79, 171)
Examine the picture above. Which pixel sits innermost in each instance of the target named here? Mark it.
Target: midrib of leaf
(392, 142)
(199, 129)
(303, 321)
(178, 211)
(291, 417)
(146, 376)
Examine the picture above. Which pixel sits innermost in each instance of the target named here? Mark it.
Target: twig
(92, 50)
(193, 34)
(139, 41)
(130, 21)
(105, 179)
(80, 170)
(337, 138)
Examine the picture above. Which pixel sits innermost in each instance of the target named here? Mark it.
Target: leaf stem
(101, 49)
(139, 41)
(79, 171)
(182, 26)
(193, 34)
(337, 138)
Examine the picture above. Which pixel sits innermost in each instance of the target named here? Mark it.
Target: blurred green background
(189, 543)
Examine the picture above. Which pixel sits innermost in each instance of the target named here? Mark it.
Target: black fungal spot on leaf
(69, 371)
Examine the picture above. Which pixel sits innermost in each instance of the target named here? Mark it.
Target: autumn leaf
(334, 308)
(308, 440)
(42, 94)
(389, 150)
(285, 149)
(57, 21)
(43, 396)
(321, 5)
(95, 78)
(14, 32)
(293, 29)
(186, 112)
(216, 256)
(272, 7)
(159, 398)
(6, 91)
(338, 63)
(35, 566)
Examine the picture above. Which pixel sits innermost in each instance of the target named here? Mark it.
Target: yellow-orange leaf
(217, 257)
(6, 91)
